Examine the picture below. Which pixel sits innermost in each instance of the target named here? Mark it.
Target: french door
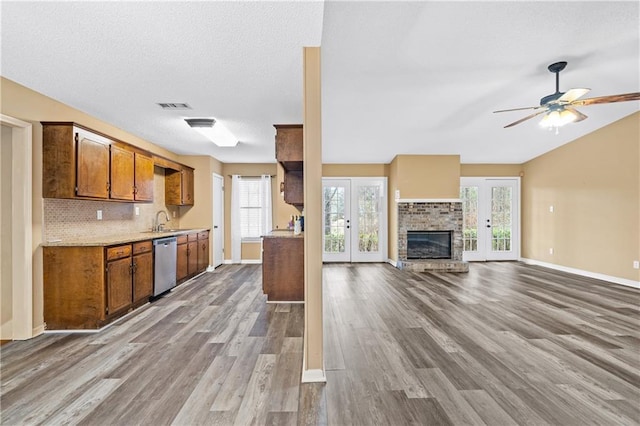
(491, 218)
(354, 220)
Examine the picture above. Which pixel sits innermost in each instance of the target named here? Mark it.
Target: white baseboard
(392, 263)
(589, 274)
(244, 262)
(313, 376)
(38, 330)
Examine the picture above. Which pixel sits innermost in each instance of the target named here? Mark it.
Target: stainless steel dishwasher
(164, 259)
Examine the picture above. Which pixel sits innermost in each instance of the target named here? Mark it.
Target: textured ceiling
(398, 77)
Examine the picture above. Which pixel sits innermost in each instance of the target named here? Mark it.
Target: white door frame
(218, 223)
(483, 184)
(21, 225)
(352, 255)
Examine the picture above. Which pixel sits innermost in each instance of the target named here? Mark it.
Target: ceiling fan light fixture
(213, 130)
(558, 118)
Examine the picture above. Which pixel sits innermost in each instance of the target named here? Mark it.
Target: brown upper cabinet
(143, 178)
(179, 187)
(81, 163)
(122, 186)
(289, 153)
(289, 146)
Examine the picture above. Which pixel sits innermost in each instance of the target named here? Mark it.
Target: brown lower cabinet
(142, 271)
(283, 268)
(88, 287)
(203, 251)
(182, 259)
(193, 255)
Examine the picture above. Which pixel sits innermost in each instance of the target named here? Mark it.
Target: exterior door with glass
(354, 220)
(491, 218)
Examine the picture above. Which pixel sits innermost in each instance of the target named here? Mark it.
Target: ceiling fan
(559, 106)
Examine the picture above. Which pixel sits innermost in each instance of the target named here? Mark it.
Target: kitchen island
(283, 266)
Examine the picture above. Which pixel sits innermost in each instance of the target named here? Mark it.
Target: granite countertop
(109, 240)
(283, 233)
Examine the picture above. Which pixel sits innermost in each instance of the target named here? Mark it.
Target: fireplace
(430, 236)
(429, 244)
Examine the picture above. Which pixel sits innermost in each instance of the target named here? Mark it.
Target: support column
(313, 361)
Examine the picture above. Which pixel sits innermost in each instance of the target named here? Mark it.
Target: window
(251, 205)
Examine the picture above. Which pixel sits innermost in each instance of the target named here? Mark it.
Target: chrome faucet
(158, 226)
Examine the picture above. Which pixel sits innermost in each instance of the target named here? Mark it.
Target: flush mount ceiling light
(213, 130)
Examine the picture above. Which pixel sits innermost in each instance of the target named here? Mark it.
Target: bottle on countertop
(296, 226)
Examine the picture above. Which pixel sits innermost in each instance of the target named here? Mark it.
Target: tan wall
(490, 170)
(355, 170)
(249, 251)
(6, 278)
(594, 185)
(200, 215)
(393, 211)
(27, 105)
(428, 176)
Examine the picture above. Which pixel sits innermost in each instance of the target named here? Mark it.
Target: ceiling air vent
(173, 105)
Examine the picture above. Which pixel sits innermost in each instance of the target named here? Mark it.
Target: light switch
(99, 214)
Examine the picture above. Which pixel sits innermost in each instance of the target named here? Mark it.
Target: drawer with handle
(118, 252)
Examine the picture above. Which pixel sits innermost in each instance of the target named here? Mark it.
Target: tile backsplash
(65, 219)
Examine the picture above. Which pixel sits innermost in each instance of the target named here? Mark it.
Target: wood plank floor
(504, 344)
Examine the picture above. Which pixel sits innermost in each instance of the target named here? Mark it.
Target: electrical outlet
(636, 264)
(551, 251)
(173, 214)
(137, 211)
(550, 209)
(99, 214)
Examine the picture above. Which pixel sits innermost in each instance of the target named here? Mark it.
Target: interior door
(355, 216)
(336, 226)
(491, 218)
(218, 221)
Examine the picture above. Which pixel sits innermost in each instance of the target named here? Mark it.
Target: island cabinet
(283, 266)
(179, 187)
(80, 163)
(289, 153)
(86, 287)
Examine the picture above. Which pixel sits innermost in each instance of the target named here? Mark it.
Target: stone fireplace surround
(431, 216)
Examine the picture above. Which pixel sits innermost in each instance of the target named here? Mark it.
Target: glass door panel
(370, 227)
(336, 221)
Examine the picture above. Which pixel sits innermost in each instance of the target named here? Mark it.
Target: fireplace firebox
(429, 244)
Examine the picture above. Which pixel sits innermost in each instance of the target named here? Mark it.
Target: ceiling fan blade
(528, 117)
(579, 116)
(608, 99)
(519, 109)
(572, 94)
